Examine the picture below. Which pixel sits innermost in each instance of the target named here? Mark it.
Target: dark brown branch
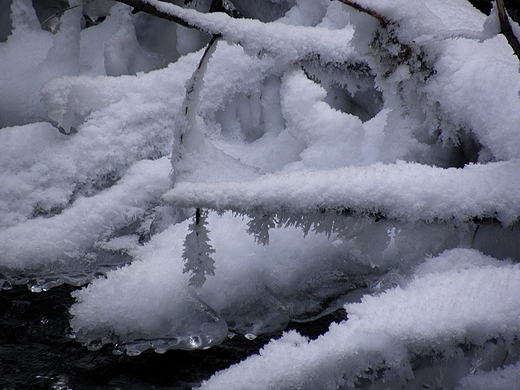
(141, 6)
(506, 29)
(382, 19)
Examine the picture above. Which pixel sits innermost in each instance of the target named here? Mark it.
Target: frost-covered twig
(506, 29)
(382, 19)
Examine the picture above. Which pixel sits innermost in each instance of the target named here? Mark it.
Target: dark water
(35, 352)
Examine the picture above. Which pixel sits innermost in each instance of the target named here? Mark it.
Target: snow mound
(436, 312)
(255, 289)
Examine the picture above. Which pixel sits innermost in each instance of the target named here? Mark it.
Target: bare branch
(382, 19)
(146, 7)
(506, 29)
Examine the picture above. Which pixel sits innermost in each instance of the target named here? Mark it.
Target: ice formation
(376, 162)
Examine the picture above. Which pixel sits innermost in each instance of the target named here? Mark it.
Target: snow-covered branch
(289, 43)
(402, 191)
(162, 10)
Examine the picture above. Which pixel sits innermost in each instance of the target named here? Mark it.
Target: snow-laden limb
(469, 77)
(284, 42)
(46, 245)
(470, 63)
(120, 120)
(460, 297)
(424, 17)
(402, 191)
(73, 101)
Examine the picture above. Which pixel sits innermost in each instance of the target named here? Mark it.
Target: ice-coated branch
(187, 133)
(506, 29)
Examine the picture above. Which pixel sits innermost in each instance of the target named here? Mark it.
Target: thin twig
(187, 124)
(382, 19)
(506, 29)
(61, 12)
(142, 6)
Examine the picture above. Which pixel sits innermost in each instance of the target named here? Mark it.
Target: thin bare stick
(61, 12)
(506, 29)
(143, 6)
(383, 20)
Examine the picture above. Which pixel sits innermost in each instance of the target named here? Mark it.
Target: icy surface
(350, 151)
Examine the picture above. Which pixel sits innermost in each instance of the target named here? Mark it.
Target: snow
(255, 289)
(500, 379)
(397, 146)
(284, 42)
(70, 234)
(403, 191)
(436, 310)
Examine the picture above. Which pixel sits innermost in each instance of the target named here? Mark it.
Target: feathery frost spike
(259, 227)
(197, 251)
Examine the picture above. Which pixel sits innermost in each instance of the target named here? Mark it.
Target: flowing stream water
(35, 352)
